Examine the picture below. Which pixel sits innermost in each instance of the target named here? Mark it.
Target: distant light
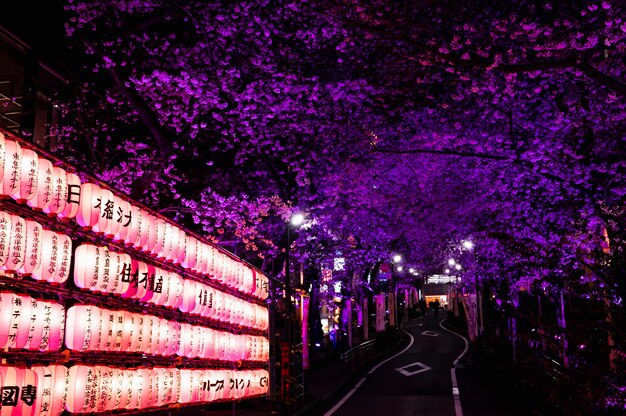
(411, 270)
(397, 258)
(399, 268)
(447, 271)
(468, 244)
(451, 262)
(457, 266)
(317, 344)
(297, 219)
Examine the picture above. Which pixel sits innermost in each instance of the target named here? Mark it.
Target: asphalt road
(416, 381)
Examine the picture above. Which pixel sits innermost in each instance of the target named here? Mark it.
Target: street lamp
(451, 262)
(397, 258)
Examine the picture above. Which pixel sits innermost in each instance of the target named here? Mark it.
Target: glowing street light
(297, 219)
(411, 270)
(451, 262)
(468, 244)
(457, 266)
(399, 268)
(397, 258)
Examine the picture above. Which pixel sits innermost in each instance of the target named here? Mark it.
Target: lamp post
(295, 221)
(469, 245)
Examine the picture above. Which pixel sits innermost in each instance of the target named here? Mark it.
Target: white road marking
(422, 368)
(430, 333)
(345, 398)
(458, 410)
(355, 388)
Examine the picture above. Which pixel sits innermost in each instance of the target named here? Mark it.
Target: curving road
(416, 381)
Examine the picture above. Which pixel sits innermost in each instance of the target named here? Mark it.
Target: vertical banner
(366, 317)
(469, 305)
(380, 312)
(392, 308)
(304, 304)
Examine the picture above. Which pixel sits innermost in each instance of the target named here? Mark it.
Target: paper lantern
(132, 387)
(145, 280)
(105, 389)
(142, 224)
(59, 192)
(35, 331)
(2, 155)
(43, 194)
(19, 396)
(53, 330)
(44, 390)
(120, 389)
(176, 291)
(88, 213)
(29, 169)
(84, 389)
(20, 322)
(86, 256)
(64, 259)
(8, 302)
(180, 247)
(186, 340)
(132, 224)
(108, 331)
(17, 244)
(9, 184)
(105, 207)
(123, 216)
(34, 236)
(5, 238)
(203, 258)
(189, 296)
(81, 327)
(72, 204)
(150, 226)
(49, 263)
(159, 238)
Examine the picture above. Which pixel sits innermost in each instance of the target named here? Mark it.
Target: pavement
(488, 382)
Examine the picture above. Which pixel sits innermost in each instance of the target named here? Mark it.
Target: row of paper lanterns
(28, 249)
(100, 270)
(90, 328)
(31, 179)
(37, 325)
(27, 323)
(51, 390)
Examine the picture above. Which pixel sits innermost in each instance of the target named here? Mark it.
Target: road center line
(458, 410)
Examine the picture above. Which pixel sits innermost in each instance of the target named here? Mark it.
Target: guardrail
(356, 356)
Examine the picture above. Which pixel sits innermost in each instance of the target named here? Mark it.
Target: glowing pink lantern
(186, 339)
(83, 388)
(190, 254)
(88, 209)
(203, 258)
(145, 281)
(131, 287)
(73, 197)
(17, 244)
(131, 222)
(151, 232)
(168, 245)
(12, 163)
(53, 330)
(7, 301)
(2, 155)
(34, 236)
(106, 208)
(65, 257)
(159, 239)
(79, 327)
(29, 169)
(58, 198)
(44, 384)
(60, 387)
(20, 322)
(122, 219)
(50, 258)
(5, 238)
(180, 247)
(150, 332)
(107, 332)
(36, 325)
(176, 291)
(43, 193)
(189, 296)
(105, 391)
(141, 239)
(86, 258)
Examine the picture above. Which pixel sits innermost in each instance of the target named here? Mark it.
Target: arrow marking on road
(430, 333)
(421, 368)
